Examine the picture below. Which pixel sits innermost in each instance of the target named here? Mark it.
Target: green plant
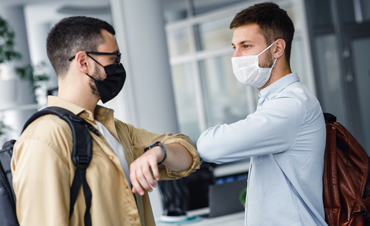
(3, 127)
(7, 52)
(33, 74)
(243, 196)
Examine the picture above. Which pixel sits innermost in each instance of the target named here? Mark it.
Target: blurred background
(177, 54)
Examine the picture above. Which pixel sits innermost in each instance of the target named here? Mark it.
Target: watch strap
(157, 143)
(165, 152)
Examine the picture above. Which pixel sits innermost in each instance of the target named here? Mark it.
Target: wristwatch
(157, 143)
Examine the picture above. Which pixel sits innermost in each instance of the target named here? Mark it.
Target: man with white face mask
(284, 137)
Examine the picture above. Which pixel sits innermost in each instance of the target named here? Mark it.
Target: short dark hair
(73, 34)
(273, 21)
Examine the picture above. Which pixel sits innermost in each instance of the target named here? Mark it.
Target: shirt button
(267, 98)
(111, 157)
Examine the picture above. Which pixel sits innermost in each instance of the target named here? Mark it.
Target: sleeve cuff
(195, 157)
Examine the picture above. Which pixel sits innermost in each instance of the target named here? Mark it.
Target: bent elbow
(209, 153)
(209, 146)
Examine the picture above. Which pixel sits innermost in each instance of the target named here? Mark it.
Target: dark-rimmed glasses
(116, 60)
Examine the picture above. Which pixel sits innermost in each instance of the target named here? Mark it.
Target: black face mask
(113, 83)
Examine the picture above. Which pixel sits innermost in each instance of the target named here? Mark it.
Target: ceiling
(73, 6)
(23, 2)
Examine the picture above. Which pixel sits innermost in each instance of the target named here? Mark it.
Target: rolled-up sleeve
(271, 129)
(142, 138)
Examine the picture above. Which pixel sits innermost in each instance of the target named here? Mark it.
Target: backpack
(346, 177)
(81, 157)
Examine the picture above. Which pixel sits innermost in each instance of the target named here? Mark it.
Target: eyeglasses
(116, 60)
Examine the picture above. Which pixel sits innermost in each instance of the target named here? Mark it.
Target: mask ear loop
(91, 77)
(96, 62)
(266, 49)
(273, 64)
(94, 59)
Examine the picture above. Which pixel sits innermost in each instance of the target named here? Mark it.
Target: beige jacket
(43, 171)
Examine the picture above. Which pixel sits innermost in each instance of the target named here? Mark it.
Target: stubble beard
(93, 88)
(267, 61)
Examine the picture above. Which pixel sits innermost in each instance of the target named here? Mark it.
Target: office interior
(177, 54)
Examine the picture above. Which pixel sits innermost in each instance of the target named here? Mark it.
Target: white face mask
(248, 72)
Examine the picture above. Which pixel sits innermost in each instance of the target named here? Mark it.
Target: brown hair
(73, 34)
(273, 21)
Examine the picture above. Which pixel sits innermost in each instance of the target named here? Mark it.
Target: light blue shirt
(285, 139)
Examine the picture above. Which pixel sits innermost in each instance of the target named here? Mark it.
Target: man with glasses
(126, 162)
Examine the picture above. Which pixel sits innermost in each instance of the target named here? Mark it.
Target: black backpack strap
(329, 117)
(81, 154)
(6, 153)
(340, 143)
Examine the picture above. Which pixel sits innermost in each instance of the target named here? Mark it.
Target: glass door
(355, 51)
(206, 90)
(361, 65)
(340, 38)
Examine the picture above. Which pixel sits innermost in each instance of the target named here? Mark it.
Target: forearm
(178, 157)
(270, 130)
(182, 159)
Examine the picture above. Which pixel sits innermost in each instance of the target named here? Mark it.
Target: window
(206, 90)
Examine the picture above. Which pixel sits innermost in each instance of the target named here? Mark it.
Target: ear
(279, 48)
(82, 62)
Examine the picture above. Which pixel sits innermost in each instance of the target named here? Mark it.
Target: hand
(144, 168)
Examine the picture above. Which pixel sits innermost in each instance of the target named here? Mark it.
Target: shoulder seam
(55, 149)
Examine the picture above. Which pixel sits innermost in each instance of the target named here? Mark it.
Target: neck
(77, 92)
(276, 74)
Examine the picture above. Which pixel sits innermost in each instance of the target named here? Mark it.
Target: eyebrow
(114, 51)
(242, 42)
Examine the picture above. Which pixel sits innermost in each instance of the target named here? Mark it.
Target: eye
(116, 60)
(246, 46)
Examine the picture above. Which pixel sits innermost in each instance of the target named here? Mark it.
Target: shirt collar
(101, 113)
(276, 87)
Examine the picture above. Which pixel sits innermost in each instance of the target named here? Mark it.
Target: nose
(237, 53)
